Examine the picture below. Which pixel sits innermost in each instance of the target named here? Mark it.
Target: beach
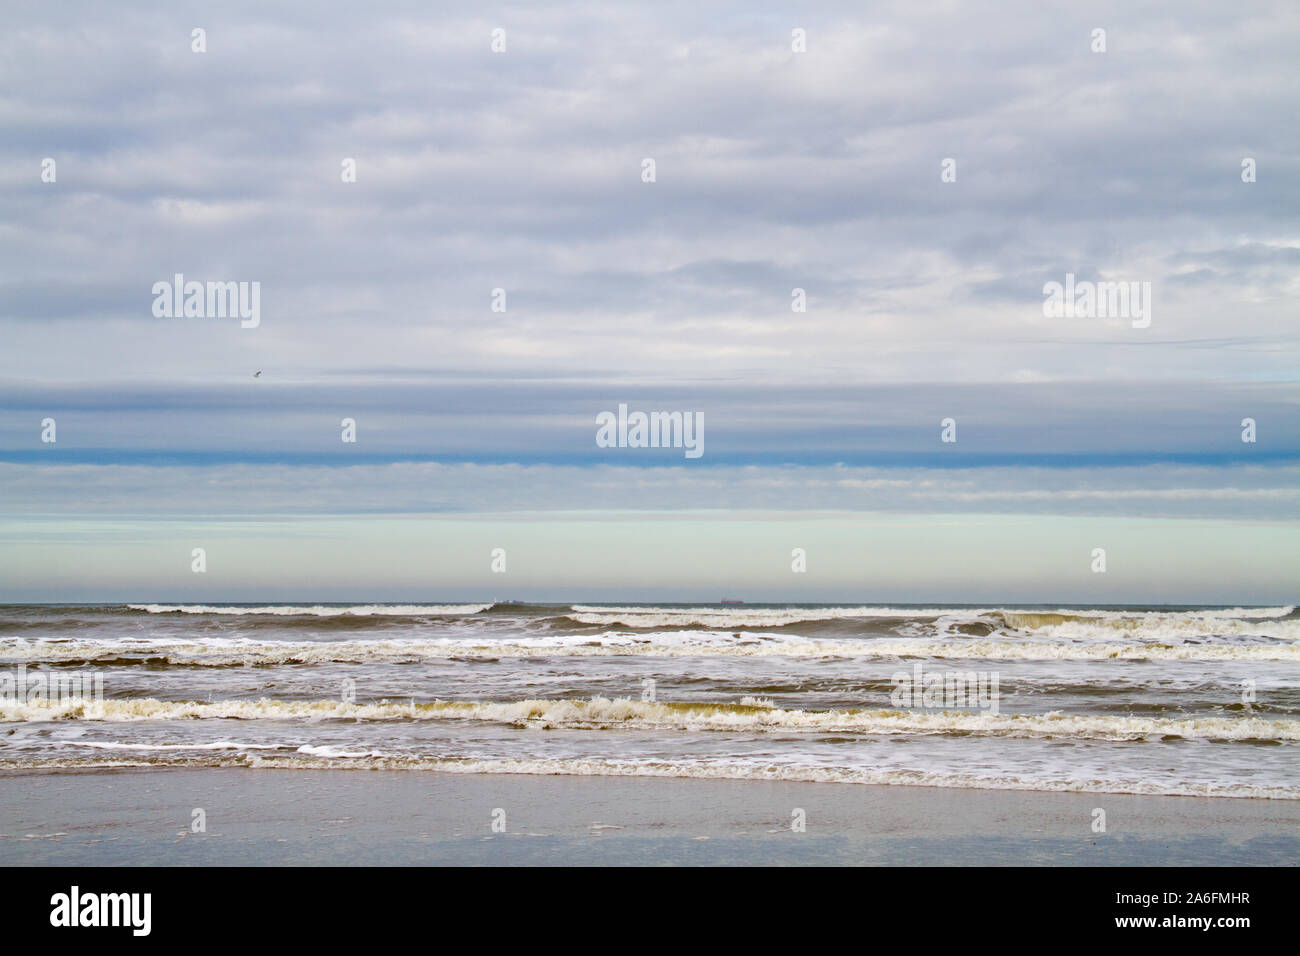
(357, 818)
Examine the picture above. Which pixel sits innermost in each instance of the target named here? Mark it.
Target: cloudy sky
(775, 170)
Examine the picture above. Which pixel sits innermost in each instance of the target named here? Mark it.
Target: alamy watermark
(208, 300)
(130, 910)
(651, 430)
(1098, 300)
(945, 690)
(20, 688)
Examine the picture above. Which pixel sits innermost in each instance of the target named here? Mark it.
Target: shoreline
(126, 817)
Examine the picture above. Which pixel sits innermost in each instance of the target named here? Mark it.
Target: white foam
(1191, 623)
(334, 752)
(317, 610)
(739, 616)
(702, 769)
(217, 745)
(1148, 625)
(226, 652)
(603, 713)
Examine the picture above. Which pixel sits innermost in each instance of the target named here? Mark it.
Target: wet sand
(339, 818)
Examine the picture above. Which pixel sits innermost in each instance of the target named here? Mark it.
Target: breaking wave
(1267, 622)
(325, 758)
(749, 714)
(316, 610)
(235, 652)
(1275, 622)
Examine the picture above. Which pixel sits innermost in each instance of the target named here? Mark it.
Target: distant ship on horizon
(730, 601)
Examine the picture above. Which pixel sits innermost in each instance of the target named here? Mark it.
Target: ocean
(1157, 700)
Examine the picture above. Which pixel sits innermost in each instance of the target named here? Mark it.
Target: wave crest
(239, 652)
(315, 610)
(604, 713)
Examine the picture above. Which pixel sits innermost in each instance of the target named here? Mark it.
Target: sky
(501, 272)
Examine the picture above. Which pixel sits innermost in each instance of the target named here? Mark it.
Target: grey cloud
(476, 171)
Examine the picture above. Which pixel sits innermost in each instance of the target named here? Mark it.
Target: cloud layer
(776, 171)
